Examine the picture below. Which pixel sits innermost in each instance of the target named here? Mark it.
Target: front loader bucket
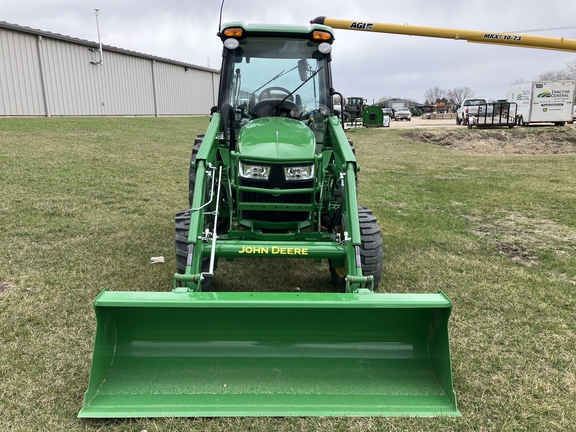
(185, 354)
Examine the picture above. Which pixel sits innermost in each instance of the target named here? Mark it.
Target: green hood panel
(276, 138)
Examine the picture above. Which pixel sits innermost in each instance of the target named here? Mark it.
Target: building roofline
(91, 44)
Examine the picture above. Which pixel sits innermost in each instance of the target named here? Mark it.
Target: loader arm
(345, 159)
(202, 165)
(474, 36)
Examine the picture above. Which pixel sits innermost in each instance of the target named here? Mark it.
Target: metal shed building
(48, 74)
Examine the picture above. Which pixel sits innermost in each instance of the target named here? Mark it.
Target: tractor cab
(275, 71)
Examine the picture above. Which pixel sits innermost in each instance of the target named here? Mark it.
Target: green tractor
(357, 109)
(354, 107)
(274, 176)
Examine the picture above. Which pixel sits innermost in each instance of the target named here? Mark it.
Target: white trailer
(543, 102)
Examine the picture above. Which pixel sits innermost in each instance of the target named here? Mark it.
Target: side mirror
(303, 69)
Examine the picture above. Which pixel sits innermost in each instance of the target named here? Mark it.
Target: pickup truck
(471, 107)
(403, 114)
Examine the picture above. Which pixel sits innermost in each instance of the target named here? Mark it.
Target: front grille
(275, 181)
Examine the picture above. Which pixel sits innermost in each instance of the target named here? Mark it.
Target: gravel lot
(532, 140)
(419, 122)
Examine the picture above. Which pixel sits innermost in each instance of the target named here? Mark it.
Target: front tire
(371, 252)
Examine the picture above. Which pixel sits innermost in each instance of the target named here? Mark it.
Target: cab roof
(266, 30)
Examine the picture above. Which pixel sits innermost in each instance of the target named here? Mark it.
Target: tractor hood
(276, 138)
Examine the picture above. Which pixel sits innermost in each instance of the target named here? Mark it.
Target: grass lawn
(85, 203)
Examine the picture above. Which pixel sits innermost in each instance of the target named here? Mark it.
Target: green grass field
(85, 203)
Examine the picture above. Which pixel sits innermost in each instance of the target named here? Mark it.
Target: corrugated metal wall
(182, 90)
(40, 75)
(20, 78)
(123, 86)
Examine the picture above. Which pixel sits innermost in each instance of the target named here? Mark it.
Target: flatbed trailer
(494, 114)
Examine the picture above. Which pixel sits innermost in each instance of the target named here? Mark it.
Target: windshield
(475, 102)
(275, 77)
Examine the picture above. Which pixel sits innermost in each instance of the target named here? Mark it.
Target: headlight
(299, 173)
(255, 172)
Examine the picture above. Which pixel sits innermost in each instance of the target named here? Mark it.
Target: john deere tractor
(274, 176)
(354, 107)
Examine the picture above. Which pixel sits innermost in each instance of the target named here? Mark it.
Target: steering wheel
(271, 107)
(266, 93)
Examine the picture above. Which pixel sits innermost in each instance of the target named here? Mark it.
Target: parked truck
(471, 107)
(543, 102)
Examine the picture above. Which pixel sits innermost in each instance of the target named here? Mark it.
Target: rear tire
(181, 229)
(371, 253)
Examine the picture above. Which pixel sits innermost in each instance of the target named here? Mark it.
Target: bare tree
(569, 73)
(521, 81)
(435, 94)
(458, 94)
(571, 68)
(554, 75)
